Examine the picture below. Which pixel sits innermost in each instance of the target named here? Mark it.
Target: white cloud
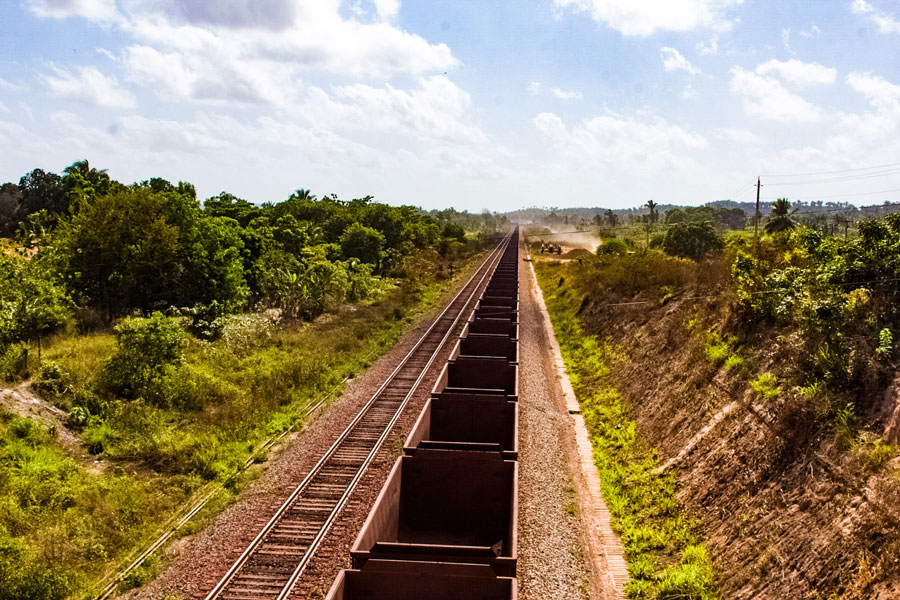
(886, 23)
(387, 9)
(853, 142)
(735, 134)
(786, 40)
(811, 32)
(89, 86)
(674, 61)
(689, 93)
(766, 98)
(646, 17)
(621, 143)
(881, 93)
(3, 108)
(535, 88)
(102, 11)
(251, 51)
(567, 94)
(798, 72)
(436, 110)
(10, 87)
(709, 49)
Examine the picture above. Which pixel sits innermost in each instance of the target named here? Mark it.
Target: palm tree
(780, 219)
(653, 214)
(303, 194)
(611, 217)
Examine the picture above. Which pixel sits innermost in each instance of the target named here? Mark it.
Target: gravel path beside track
(552, 562)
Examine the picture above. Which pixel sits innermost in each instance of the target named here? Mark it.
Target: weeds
(765, 387)
(664, 553)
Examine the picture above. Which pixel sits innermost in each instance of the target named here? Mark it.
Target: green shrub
(147, 349)
(716, 349)
(612, 247)
(692, 240)
(22, 577)
(765, 387)
(51, 379)
(13, 362)
(845, 426)
(98, 435)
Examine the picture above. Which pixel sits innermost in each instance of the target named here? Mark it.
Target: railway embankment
(731, 466)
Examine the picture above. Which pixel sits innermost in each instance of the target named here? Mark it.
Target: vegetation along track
(277, 557)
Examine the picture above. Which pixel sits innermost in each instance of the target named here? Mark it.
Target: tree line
(87, 243)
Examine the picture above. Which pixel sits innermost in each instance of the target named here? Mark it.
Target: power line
(851, 195)
(833, 172)
(847, 178)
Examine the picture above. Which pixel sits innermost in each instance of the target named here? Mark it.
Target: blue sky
(470, 104)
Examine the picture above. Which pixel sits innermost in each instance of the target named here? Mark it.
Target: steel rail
(487, 266)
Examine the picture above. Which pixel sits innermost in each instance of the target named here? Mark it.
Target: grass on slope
(666, 558)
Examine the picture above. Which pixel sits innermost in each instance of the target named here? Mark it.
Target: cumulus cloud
(644, 18)
(89, 86)
(102, 11)
(856, 137)
(674, 61)
(621, 143)
(251, 51)
(766, 98)
(436, 110)
(886, 23)
(798, 72)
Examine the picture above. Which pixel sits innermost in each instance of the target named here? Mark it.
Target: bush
(612, 247)
(51, 379)
(147, 349)
(14, 362)
(692, 240)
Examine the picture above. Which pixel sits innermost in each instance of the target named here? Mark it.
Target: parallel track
(275, 560)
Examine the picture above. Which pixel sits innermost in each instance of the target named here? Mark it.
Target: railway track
(273, 563)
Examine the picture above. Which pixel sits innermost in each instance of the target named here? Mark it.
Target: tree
(780, 219)
(32, 303)
(10, 208)
(84, 183)
(654, 215)
(691, 240)
(139, 249)
(453, 231)
(42, 191)
(364, 243)
(612, 219)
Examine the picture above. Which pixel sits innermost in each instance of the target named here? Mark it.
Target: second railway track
(270, 567)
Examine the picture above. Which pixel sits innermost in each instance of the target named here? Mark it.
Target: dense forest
(151, 344)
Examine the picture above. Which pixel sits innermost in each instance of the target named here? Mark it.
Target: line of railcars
(444, 525)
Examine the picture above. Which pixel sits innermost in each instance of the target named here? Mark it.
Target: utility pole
(756, 220)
